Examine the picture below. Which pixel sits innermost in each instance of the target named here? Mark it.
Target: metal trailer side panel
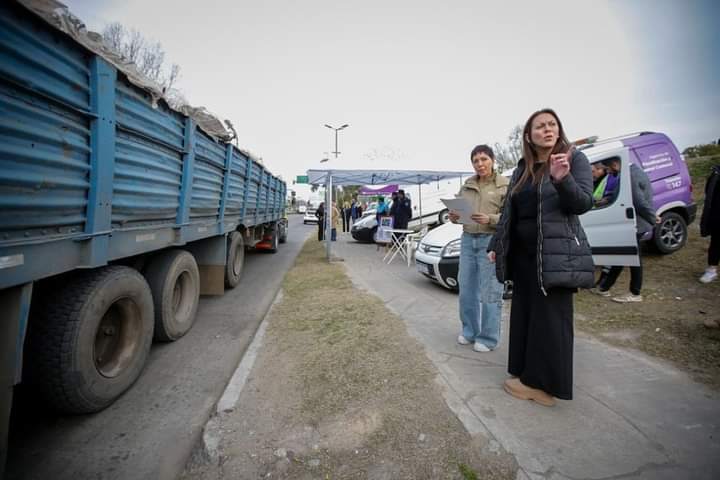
(92, 172)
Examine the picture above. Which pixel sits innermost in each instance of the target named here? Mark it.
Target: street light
(336, 136)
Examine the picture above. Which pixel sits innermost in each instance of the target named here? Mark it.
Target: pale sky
(422, 82)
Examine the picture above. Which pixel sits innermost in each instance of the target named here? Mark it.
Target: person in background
(541, 246)
(354, 210)
(604, 185)
(341, 209)
(381, 210)
(403, 211)
(710, 224)
(642, 197)
(480, 292)
(320, 214)
(347, 215)
(334, 221)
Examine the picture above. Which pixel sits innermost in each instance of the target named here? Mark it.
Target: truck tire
(670, 234)
(235, 259)
(443, 217)
(274, 239)
(283, 231)
(174, 281)
(89, 339)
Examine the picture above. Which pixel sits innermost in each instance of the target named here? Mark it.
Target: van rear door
(611, 228)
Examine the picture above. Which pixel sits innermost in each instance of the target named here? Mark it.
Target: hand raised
(560, 165)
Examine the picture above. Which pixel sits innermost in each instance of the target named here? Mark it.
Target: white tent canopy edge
(332, 177)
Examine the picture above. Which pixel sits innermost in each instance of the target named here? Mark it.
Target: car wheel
(443, 217)
(670, 234)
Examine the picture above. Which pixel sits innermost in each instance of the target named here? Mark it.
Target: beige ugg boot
(517, 389)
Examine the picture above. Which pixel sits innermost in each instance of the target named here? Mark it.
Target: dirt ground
(669, 323)
(340, 390)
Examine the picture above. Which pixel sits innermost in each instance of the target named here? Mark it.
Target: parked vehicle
(302, 209)
(433, 210)
(117, 213)
(310, 216)
(438, 255)
(610, 229)
(672, 191)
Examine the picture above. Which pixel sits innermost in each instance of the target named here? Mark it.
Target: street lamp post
(328, 193)
(336, 136)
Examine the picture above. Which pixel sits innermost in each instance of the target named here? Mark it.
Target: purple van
(668, 173)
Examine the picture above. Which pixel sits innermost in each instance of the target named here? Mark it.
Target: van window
(606, 184)
(658, 160)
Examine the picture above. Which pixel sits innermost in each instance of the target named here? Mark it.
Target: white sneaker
(709, 275)
(597, 291)
(463, 341)
(480, 347)
(629, 298)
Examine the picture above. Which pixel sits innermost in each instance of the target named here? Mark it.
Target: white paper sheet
(460, 206)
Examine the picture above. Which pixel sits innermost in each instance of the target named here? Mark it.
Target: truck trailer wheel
(174, 281)
(274, 239)
(235, 259)
(283, 231)
(89, 339)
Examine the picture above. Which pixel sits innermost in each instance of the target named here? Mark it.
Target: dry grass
(364, 385)
(669, 323)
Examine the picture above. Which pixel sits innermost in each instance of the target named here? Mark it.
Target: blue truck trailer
(116, 213)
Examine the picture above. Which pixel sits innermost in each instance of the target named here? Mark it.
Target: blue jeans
(480, 292)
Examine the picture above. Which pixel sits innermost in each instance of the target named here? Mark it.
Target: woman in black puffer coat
(540, 245)
(710, 224)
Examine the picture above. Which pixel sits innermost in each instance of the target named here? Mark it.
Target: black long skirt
(541, 332)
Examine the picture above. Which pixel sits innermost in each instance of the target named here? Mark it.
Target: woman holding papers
(541, 246)
(480, 292)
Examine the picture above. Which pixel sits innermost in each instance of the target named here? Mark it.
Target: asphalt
(151, 431)
(632, 417)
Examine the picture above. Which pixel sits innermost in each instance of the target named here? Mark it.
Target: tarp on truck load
(59, 16)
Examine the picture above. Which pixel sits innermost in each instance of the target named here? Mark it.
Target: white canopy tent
(331, 177)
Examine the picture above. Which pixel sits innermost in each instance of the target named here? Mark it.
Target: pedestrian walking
(642, 197)
(710, 224)
(541, 246)
(480, 292)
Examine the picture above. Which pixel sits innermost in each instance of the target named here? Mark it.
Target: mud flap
(15, 305)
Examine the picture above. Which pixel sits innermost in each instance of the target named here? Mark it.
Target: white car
(438, 255)
(309, 216)
(302, 209)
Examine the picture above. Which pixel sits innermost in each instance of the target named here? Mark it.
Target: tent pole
(420, 202)
(328, 215)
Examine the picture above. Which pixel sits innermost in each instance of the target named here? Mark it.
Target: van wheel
(671, 233)
(174, 281)
(443, 217)
(90, 339)
(235, 259)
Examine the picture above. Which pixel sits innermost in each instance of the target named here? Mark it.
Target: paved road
(633, 416)
(150, 431)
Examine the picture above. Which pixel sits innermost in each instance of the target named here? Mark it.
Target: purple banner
(378, 190)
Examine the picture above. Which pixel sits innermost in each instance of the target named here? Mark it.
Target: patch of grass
(669, 322)
(359, 377)
(467, 472)
(699, 169)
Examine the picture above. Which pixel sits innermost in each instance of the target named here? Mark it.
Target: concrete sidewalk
(632, 417)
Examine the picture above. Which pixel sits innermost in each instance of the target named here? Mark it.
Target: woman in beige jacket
(480, 292)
